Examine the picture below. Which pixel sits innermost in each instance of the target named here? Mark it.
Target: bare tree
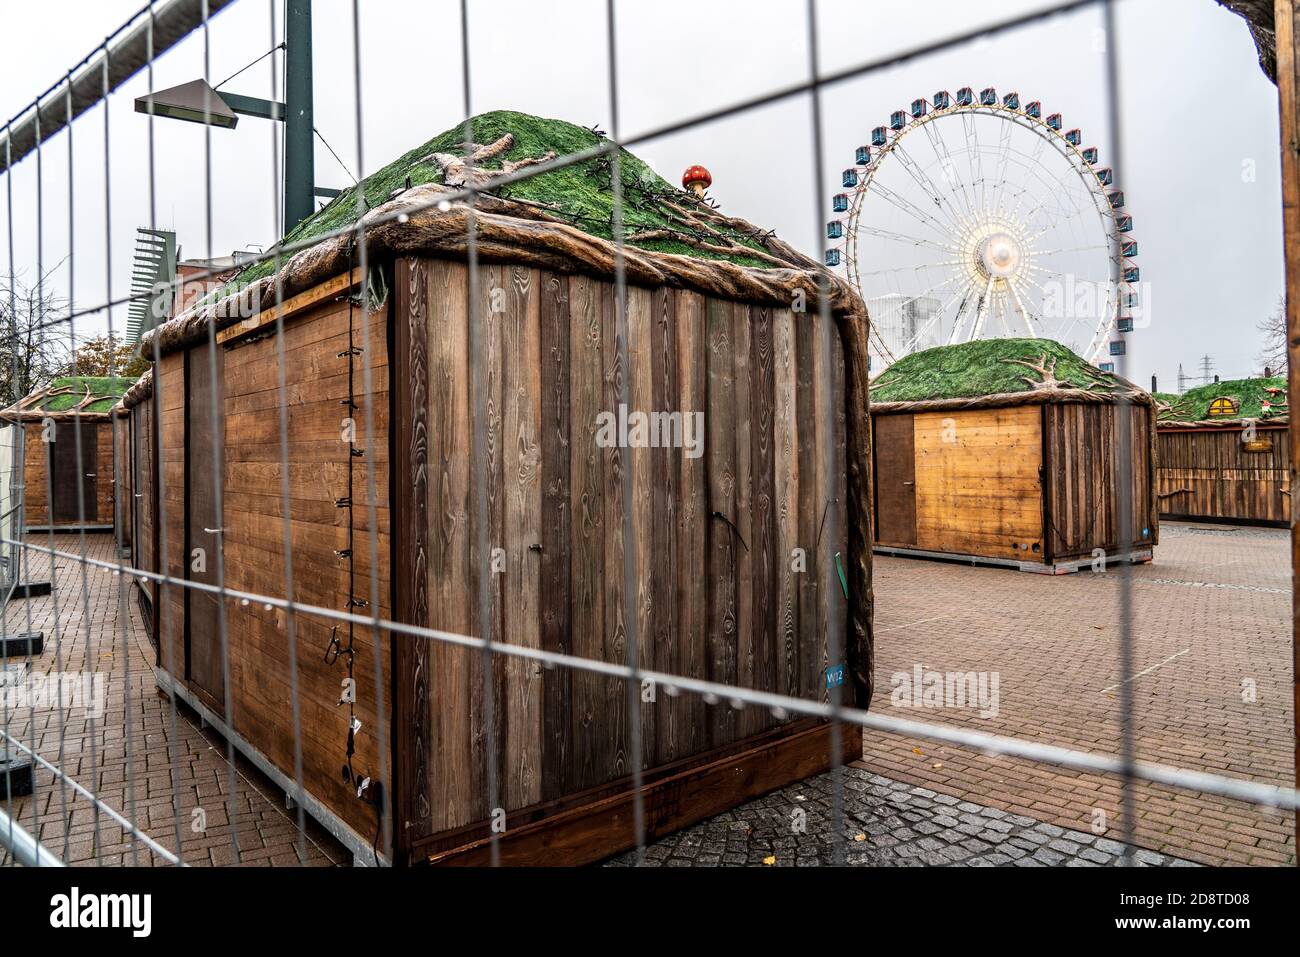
(1273, 355)
(35, 346)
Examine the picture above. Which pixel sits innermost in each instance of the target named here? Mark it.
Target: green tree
(106, 355)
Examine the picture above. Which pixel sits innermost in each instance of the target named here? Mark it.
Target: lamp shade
(194, 102)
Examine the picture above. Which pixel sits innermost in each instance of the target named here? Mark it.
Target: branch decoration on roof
(472, 170)
(87, 392)
(1045, 367)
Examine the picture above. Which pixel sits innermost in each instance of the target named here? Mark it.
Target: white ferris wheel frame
(1108, 215)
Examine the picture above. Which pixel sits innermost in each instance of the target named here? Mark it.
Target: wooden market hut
(1224, 453)
(68, 469)
(723, 321)
(1005, 451)
(138, 502)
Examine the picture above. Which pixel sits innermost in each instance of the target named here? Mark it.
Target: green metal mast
(299, 126)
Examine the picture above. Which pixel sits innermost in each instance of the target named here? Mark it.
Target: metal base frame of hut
(734, 559)
(1006, 452)
(68, 472)
(1224, 453)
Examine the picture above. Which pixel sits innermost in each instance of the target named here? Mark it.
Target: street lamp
(197, 102)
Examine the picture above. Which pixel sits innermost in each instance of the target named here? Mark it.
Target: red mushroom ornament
(696, 179)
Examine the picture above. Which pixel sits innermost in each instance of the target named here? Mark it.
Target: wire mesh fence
(382, 516)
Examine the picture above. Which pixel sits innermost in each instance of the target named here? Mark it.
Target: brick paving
(65, 821)
(887, 824)
(1209, 614)
(1211, 620)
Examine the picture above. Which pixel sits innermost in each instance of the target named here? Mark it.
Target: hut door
(203, 522)
(66, 506)
(895, 480)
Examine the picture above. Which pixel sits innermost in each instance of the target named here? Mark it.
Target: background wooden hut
(1005, 451)
(723, 320)
(138, 502)
(1224, 453)
(68, 471)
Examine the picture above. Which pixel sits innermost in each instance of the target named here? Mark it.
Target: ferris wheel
(974, 216)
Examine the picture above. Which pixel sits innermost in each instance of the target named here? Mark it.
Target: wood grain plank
(762, 397)
(451, 576)
(522, 461)
(646, 602)
(612, 758)
(556, 531)
(720, 431)
(786, 491)
(587, 472)
(691, 650)
(809, 643)
(170, 386)
(487, 670)
(665, 642)
(412, 742)
(752, 720)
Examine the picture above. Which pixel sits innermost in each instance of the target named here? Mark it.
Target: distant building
(153, 270)
(899, 320)
(197, 277)
(164, 285)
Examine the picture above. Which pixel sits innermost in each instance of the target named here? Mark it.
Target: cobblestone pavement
(1212, 686)
(888, 824)
(1210, 621)
(96, 632)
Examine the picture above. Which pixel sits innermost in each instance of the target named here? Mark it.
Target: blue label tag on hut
(834, 676)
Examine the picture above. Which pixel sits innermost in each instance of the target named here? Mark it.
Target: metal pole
(27, 851)
(1288, 91)
(299, 161)
(150, 38)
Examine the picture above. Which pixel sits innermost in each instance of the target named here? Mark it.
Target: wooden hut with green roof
(1006, 451)
(68, 469)
(745, 465)
(1224, 453)
(137, 508)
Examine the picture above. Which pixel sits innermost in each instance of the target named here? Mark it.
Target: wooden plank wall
(255, 545)
(105, 492)
(99, 460)
(718, 593)
(36, 476)
(170, 386)
(123, 482)
(144, 552)
(1083, 510)
(1209, 474)
(256, 552)
(978, 490)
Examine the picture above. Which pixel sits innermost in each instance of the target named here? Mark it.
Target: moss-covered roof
(85, 395)
(581, 194)
(68, 392)
(1249, 394)
(983, 367)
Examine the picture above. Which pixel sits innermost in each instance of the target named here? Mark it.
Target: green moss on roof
(106, 389)
(984, 367)
(1194, 404)
(581, 194)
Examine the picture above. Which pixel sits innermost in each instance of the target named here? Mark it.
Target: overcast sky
(1199, 166)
